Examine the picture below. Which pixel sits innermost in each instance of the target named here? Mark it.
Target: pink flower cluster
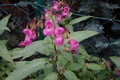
(52, 29)
(61, 12)
(29, 36)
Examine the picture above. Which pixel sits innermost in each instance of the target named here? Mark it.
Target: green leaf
(69, 28)
(16, 53)
(82, 35)
(69, 75)
(94, 58)
(116, 60)
(47, 70)
(4, 53)
(62, 60)
(52, 76)
(82, 50)
(80, 19)
(94, 66)
(3, 24)
(80, 60)
(73, 66)
(20, 64)
(27, 69)
(39, 46)
(68, 56)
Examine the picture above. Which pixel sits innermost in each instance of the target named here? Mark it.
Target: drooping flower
(27, 41)
(55, 6)
(118, 72)
(49, 23)
(59, 31)
(29, 36)
(65, 11)
(48, 31)
(33, 36)
(59, 18)
(30, 33)
(59, 41)
(73, 44)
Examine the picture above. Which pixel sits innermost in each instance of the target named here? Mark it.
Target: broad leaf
(68, 56)
(4, 53)
(27, 69)
(52, 76)
(116, 60)
(82, 50)
(73, 66)
(16, 53)
(80, 19)
(82, 35)
(69, 75)
(3, 24)
(39, 46)
(94, 66)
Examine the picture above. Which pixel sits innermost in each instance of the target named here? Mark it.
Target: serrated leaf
(116, 60)
(4, 53)
(52, 76)
(80, 19)
(3, 24)
(27, 69)
(69, 75)
(82, 35)
(39, 46)
(94, 66)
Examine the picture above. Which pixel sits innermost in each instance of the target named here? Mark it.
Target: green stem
(56, 53)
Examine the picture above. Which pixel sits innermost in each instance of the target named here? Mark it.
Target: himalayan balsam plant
(64, 57)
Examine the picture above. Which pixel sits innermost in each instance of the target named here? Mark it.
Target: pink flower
(59, 18)
(59, 41)
(27, 41)
(55, 6)
(73, 44)
(48, 31)
(65, 11)
(47, 13)
(27, 31)
(21, 44)
(118, 72)
(49, 23)
(59, 31)
(33, 36)
(30, 33)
